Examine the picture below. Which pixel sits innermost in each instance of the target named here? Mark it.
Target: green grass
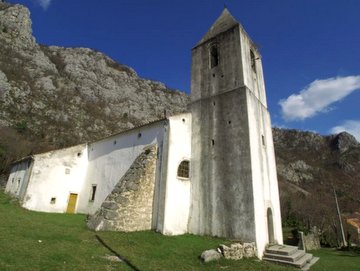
(42, 241)
(334, 260)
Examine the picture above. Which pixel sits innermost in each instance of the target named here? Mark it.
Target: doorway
(72, 203)
(270, 225)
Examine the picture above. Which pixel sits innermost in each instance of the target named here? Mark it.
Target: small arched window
(184, 169)
(214, 56)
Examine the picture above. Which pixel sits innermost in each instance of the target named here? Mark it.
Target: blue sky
(310, 48)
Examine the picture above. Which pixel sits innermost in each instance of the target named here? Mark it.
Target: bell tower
(234, 185)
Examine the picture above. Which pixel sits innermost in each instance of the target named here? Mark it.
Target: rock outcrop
(344, 141)
(71, 89)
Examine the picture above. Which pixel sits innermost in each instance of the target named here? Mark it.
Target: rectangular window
(93, 192)
(253, 61)
(18, 185)
(214, 56)
(53, 201)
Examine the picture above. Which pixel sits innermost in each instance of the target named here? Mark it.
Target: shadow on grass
(128, 263)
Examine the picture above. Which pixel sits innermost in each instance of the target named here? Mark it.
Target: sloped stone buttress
(129, 206)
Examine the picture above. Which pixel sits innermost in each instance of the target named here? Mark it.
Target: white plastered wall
(18, 177)
(177, 194)
(110, 158)
(265, 187)
(253, 80)
(56, 174)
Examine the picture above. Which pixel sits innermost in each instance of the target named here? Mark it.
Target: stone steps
(290, 255)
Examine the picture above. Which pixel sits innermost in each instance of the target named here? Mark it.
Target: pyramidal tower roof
(223, 23)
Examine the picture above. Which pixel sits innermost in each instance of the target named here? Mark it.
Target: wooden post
(340, 220)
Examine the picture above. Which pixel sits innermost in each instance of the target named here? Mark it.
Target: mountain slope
(71, 89)
(310, 167)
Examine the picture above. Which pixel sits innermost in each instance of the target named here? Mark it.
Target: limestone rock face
(130, 205)
(309, 165)
(15, 25)
(296, 172)
(71, 89)
(344, 141)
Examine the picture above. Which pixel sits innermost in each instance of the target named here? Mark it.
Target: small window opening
(139, 135)
(214, 103)
(253, 60)
(67, 170)
(213, 74)
(18, 185)
(79, 154)
(53, 201)
(212, 142)
(115, 142)
(183, 120)
(93, 192)
(229, 121)
(214, 56)
(263, 140)
(184, 169)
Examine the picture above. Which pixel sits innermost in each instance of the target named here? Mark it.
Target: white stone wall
(253, 80)
(263, 167)
(56, 174)
(18, 177)
(110, 158)
(177, 194)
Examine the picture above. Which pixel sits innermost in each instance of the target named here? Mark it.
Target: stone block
(122, 200)
(110, 215)
(234, 252)
(210, 255)
(249, 250)
(109, 205)
(132, 186)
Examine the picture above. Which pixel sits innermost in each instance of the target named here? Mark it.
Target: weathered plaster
(55, 174)
(177, 190)
(129, 207)
(110, 158)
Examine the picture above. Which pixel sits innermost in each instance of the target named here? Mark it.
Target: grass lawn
(42, 241)
(332, 259)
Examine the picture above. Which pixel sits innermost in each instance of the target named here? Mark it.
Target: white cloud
(350, 126)
(317, 97)
(44, 3)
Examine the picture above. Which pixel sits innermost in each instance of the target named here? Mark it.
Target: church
(210, 171)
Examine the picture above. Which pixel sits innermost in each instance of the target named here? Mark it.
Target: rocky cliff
(310, 167)
(71, 89)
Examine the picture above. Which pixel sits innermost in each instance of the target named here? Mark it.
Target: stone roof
(222, 24)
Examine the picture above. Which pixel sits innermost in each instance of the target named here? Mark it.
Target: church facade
(211, 171)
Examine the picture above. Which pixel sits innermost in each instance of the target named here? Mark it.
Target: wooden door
(72, 203)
